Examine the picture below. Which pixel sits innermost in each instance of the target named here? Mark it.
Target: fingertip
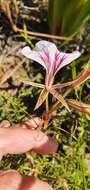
(45, 144)
(35, 184)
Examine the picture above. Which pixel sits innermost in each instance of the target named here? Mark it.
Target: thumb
(13, 180)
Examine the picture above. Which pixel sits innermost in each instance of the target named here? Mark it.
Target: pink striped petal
(49, 49)
(65, 59)
(47, 54)
(33, 55)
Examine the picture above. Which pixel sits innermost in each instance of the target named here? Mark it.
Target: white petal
(69, 57)
(33, 55)
(48, 47)
(42, 45)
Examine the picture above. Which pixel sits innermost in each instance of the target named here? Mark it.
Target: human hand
(19, 139)
(13, 180)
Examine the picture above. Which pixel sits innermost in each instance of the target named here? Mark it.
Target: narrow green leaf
(59, 97)
(79, 106)
(67, 17)
(42, 97)
(34, 84)
(81, 78)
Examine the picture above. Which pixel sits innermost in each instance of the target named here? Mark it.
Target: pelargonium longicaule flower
(47, 54)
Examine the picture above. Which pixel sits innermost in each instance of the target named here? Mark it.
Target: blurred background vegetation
(23, 22)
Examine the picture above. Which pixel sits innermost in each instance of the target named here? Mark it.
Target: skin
(34, 123)
(13, 180)
(24, 140)
(16, 140)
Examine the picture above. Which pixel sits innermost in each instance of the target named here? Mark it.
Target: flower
(47, 54)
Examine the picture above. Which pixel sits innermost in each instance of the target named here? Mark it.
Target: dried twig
(6, 8)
